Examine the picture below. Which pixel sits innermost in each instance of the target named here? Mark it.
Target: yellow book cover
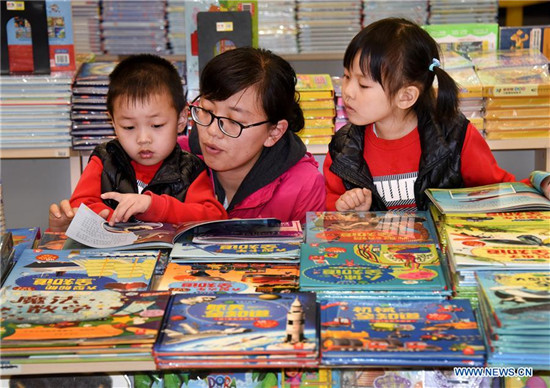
(319, 123)
(316, 132)
(314, 86)
(317, 104)
(319, 113)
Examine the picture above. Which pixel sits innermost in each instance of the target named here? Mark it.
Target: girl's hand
(128, 205)
(359, 199)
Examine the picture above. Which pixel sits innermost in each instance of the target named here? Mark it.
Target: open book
(91, 230)
(499, 197)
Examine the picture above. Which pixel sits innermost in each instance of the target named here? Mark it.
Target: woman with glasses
(246, 118)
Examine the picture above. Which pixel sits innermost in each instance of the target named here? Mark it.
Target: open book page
(88, 228)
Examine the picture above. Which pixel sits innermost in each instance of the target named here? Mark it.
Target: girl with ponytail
(402, 137)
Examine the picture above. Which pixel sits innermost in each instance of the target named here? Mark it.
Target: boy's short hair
(137, 77)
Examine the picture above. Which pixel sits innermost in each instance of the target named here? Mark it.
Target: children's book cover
(494, 246)
(401, 332)
(207, 379)
(374, 227)
(24, 238)
(232, 252)
(60, 38)
(524, 37)
(541, 218)
(52, 240)
(36, 318)
(517, 298)
(85, 270)
(211, 324)
(289, 231)
(230, 278)
(314, 86)
(371, 267)
(499, 197)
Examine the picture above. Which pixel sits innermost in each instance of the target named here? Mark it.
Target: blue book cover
(24, 238)
(516, 299)
(378, 227)
(82, 270)
(235, 324)
(370, 267)
(400, 332)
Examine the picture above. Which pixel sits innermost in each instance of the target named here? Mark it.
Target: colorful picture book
(374, 227)
(499, 197)
(223, 278)
(232, 252)
(515, 311)
(314, 86)
(80, 318)
(24, 238)
(400, 332)
(90, 230)
(85, 270)
(371, 267)
(239, 330)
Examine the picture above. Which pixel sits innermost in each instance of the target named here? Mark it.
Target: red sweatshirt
(200, 201)
(394, 167)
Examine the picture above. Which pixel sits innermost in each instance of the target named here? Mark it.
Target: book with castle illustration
(88, 229)
(239, 326)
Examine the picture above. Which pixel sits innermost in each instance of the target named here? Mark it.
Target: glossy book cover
(402, 331)
(219, 324)
(224, 278)
(371, 267)
(36, 318)
(374, 227)
(82, 270)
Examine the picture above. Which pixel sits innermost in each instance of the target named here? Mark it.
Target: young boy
(143, 173)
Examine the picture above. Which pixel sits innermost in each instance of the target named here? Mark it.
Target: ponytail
(446, 107)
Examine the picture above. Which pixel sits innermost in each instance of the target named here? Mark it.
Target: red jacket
(200, 202)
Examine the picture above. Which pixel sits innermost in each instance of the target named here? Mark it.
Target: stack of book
(516, 317)
(90, 122)
(341, 118)
(175, 16)
(495, 227)
(400, 332)
(327, 26)
(415, 10)
(277, 26)
(465, 11)
(239, 331)
(517, 86)
(133, 27)
(35, 111)
(317, 102)
(470, 96)
(86, 20)
(372, 255)
(79, 326)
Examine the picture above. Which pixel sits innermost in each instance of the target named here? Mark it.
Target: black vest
(173, 178)
(439, 161)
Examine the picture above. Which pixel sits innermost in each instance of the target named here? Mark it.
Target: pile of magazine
(515, 313)
(239, 331)
(372, 254)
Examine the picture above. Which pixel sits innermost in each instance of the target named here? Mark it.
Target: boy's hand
(355, 199)
(128, 205)
(61, 216)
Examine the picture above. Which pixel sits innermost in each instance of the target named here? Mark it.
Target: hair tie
(435, 63)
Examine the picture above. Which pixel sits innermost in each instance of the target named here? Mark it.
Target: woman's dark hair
(243, 67)
(140, 76)
(396, 52)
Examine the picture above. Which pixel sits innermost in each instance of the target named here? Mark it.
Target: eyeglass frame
(213, 116)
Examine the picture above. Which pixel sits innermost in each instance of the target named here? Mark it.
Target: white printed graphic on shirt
(140, 186)
(396, 190)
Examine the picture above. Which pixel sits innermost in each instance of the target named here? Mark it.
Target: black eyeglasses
(228, 126)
